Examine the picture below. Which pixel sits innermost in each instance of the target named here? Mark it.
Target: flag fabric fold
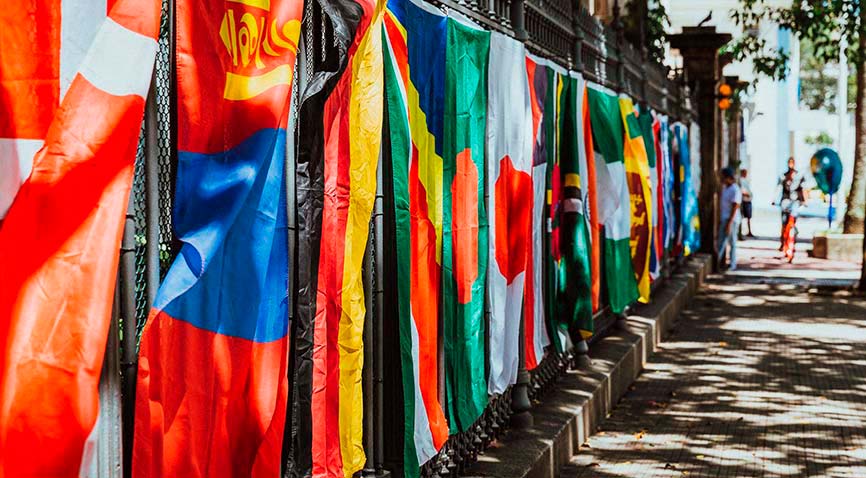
(638, 178)
(575, 288)
(414, 49)
(464, 225)
(509, 186)
(224, 303)
(589, 187)
(613, 196)
(69, 125)
(352, 127)
(540, 79)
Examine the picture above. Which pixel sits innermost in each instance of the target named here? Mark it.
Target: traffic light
(725, 92)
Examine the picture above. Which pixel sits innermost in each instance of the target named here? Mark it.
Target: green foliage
(821, 139)
(824, 23)
(657, 23)
(818, 90)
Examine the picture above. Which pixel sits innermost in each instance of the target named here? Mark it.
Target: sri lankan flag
(638, 178)
(339, 134)
(414, 49)
(464, 225)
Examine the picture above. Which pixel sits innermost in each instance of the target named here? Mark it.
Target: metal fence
(559, 30)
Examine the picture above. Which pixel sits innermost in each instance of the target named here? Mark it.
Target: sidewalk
(749, 384)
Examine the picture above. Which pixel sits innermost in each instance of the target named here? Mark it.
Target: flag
(694, 145)
(646, 121)
(554, 259)
(575, 290)
(464, 225)
(589, 187)
(212, 386)
(540, 79)
(658, 200)
(414, 46)
(638, 177)
(689, 227)
(352, 128)
(668, 174)
(339, 69)
(73, 79)
(509, 186)
(613, 197)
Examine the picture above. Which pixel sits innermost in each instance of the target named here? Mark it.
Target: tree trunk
(856, 204)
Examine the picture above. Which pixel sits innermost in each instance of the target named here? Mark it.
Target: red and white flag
(73, 78)
(509, 185)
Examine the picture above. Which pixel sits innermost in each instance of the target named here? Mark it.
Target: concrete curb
(569, 414)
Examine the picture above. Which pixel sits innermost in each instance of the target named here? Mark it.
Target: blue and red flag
(212, 378)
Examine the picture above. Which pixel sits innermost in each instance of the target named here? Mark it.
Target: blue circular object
(827, 170)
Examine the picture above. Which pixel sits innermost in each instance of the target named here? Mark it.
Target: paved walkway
(761, 377)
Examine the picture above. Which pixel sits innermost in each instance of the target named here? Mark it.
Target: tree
(828, 25)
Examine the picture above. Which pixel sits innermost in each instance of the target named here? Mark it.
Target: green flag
(464, 228)
(575, 294)
(614, 202)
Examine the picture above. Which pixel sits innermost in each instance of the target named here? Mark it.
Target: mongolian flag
(638, 178)
(414, 46)
(352, 139)
(464, 225)
(613, 197)
(540, 78)
(575, 290)
(73, 78)
(212, 385)
(509, 186)
(589, 188)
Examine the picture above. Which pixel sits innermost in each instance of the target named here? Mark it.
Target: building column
(699, 47)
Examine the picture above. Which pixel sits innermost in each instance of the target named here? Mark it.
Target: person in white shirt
(729, 226)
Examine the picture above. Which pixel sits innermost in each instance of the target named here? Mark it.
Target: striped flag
(352, 139)
(540, 78)
(509, 186)
(589, 187)
(613, 197)
(638, 178)
(73, 78)
(464, 225)
(414, 46)
(223, 305)
(554, 259)
(575, 290)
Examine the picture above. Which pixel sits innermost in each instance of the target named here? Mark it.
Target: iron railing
(559, 30)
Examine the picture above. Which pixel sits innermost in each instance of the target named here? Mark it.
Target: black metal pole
(372, 307)
(518, 23)
(151, 194)
(126, 286)
(379, 328)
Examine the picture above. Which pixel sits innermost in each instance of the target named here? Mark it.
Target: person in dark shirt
(790, 191)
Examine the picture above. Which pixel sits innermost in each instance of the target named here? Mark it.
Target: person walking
(789, 190)
(729, 225)
(746, 190)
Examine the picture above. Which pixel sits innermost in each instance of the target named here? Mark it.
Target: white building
(776, 127)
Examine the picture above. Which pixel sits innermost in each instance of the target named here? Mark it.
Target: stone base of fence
(580, 400)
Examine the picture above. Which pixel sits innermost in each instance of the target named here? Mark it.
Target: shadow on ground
(756, 380)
